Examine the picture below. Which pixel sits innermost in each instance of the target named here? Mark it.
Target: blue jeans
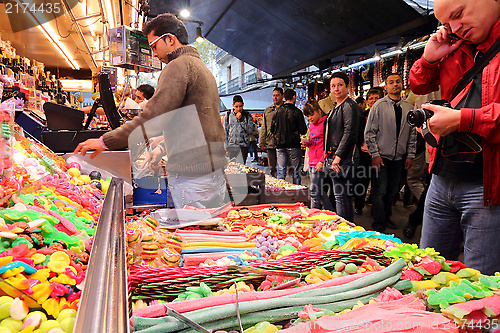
(385, 185)
(317, 193)
(455, 212)
(206, 191)
(343, 201)
(295, 156)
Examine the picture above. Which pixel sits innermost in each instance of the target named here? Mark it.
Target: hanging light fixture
(185, 13)
(344, 65)
(199, 35)
(399, 48)
(377, 53)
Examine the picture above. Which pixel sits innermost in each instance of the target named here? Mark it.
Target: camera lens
(415, 118)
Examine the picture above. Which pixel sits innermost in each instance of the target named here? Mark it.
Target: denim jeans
(385, 185)
(343, 200)
(455, 212)
(295, 155)
(317, 193)
(206, 191)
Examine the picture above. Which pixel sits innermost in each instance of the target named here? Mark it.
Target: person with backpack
(238, 126)
(287, 126)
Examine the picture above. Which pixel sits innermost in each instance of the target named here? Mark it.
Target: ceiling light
(185, 13)
(108, 12)
(51, 36)
(76, 85)
(199, 35)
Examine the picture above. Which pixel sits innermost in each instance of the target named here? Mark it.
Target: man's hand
(377, 163)
(444, 121)
(90, 144)
(227, 153)
(319, 166)
(408, 163)
(153, 157)
(238, 115)
(440, 45)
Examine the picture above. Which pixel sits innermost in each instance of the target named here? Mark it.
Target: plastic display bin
(151, 190)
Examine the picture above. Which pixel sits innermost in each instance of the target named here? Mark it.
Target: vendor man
(185, 107)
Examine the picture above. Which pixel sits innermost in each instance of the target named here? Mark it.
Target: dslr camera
(418, 117)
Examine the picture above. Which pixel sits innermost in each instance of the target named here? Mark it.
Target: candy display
(305, 253)
(290, 268)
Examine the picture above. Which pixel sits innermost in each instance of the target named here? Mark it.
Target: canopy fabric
(279, 37)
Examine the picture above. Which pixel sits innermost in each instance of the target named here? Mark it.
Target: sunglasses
(152, 44)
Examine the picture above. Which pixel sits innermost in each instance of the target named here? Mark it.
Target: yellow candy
(5, 260)
(38, 258)
(41, 275)
(60, 256)
(57, 266)
(12, 272)
(63, 279)
(41, 291)
(19, 281)
(51, 306)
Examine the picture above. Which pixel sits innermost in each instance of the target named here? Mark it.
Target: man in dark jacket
(287, 126)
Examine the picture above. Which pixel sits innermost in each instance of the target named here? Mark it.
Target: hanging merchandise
(352, 86)
(395, 64)
(406, 70)
(386, 69)
(377, 73)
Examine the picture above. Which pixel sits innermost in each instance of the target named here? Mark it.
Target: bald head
(471, 20)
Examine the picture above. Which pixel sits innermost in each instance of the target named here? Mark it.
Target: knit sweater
(184, 82)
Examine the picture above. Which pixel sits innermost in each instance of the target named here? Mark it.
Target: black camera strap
(474, 146)
(478, 66)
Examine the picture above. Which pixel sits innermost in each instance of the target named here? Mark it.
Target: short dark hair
(237, 98)
(341, 75)
(167, 23)
(279, 89)
(375, 91)
(147, 90)
(391, 74)
(310, 107)
(360, 100)
(289, 94)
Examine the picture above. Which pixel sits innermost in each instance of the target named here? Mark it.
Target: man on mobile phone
(463, 201)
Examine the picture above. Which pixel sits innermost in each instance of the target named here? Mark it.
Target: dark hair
(289, 94)
(147, 90)
(341, 75)
(167, 23)
(310, 107)
(375, 91)
(279, 89)
(391, 74)
(237, 98)
(360, 100)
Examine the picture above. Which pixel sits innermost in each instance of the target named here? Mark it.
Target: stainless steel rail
(104, 303)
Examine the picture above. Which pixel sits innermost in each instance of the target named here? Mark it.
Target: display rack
(104, 303)
(252, 185)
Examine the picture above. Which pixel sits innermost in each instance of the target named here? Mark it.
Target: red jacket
(426, 77)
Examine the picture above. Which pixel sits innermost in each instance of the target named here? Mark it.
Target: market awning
(279, 37)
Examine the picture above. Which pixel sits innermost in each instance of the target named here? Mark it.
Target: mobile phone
(453, 37)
